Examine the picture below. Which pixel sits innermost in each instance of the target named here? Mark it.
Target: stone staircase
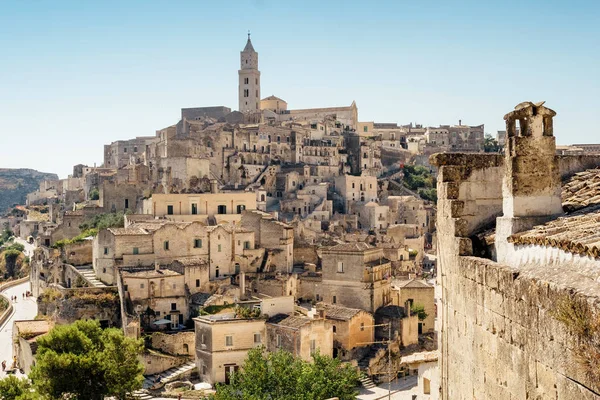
(168, 375)
(88, 273)
(366, 382)
(141, 395)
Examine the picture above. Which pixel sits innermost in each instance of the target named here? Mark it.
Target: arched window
(334, 329)
(262, 197)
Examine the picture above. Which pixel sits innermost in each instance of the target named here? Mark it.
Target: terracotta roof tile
(578, 233)
(582, 190)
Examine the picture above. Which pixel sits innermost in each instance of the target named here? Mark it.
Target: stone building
(222, 344)
(222, 207)
(123, 152)
(352, 329)
(355, 275)
(273, 103)
(416, 292)
(226, 250)
(354, 189)
(271, 234)
(156, 294)
(301, 336)
(507, 329)
(409, 210)
(249, 79)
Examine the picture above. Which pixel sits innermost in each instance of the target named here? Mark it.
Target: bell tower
(249, 79)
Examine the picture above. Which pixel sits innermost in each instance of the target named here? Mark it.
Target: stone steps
(169, 375)
(141, 395)
(90, 275)
(366, 382)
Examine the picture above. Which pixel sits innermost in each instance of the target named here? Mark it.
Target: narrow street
(23, 308)
(401, 389)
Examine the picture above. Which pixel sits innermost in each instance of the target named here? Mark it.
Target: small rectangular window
(228, 340)
(340, 267)
(141, 285)
(197, 282)
(173, 306)
(105, 250)
(247, 245)
(279, 341)
(222, 209)
(219, 248)
(166, 245)
(136, 250)
(170, 210)
(257, 338)
(194, 208)
(198, 243)
(313, 346)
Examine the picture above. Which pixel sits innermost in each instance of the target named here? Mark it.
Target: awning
(162, 322)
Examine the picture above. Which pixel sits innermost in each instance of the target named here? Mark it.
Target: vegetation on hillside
(281, 376)
(104, 221)
(420, 180)
(13, 262)
(5, 236)
(15, 184)
(77, 239)
(584, 324)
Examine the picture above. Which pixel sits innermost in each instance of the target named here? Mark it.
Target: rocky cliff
(15, 184)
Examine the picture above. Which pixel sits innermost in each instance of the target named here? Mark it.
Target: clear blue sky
(75, 75)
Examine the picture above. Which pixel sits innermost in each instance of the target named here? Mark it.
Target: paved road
(402, 389)
(23, 309)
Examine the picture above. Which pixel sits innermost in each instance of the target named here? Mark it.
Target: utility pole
(389, 363)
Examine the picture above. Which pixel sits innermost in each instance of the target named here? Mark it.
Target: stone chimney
(214, 186)
(531, 188)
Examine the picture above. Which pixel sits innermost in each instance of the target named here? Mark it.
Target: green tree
(10, 258)
(87, 362)
(419, 310)
(104, 221)
(94, 194)
(13, 388)
(490, 145)
(281, 376)
(16, 246)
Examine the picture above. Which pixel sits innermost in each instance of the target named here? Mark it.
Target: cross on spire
(248, 34)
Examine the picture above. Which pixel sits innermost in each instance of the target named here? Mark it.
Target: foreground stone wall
(501, 339)
(498, 337)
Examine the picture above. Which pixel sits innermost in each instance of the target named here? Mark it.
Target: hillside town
(417, 255)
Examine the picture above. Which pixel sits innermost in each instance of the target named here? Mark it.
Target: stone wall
(66, 306)
(78, 253)
(498, 338)
(180, 343)
(503, 341)
(155, 363)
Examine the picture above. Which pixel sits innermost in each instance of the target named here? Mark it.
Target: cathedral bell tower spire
(249, 79)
